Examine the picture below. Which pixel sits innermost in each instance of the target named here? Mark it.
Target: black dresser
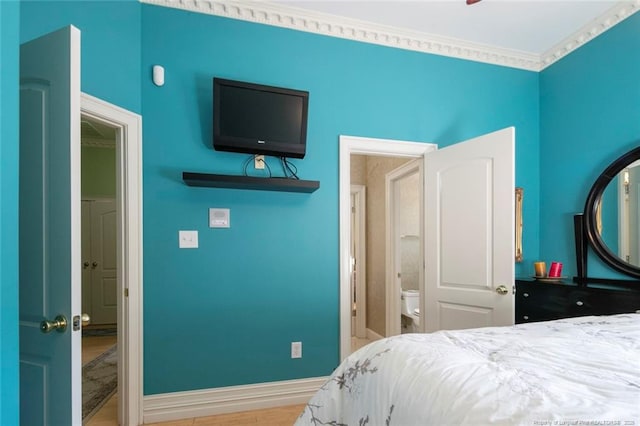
(540, 301)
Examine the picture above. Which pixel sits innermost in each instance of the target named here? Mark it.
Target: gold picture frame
(518, 233)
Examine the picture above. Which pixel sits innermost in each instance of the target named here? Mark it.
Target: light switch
(219, 218)
(188, 239)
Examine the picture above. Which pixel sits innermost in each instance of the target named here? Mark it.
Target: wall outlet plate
(258, 161)
(188, 239)
(296, 349)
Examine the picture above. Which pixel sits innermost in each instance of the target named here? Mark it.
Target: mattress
(581, 371)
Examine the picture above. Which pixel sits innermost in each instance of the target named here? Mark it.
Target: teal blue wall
(590, 115)
(225, 314)
(9, 58)
(110, 34)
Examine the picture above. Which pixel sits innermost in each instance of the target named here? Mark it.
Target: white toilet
(411, 310)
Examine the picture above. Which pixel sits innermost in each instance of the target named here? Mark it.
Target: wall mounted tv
(259, 119)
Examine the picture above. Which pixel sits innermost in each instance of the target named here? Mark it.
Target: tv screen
(259, 119)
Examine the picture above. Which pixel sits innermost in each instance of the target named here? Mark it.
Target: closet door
(103, 264)
(86, 257)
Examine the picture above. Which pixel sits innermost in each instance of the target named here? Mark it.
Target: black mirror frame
(590, 209)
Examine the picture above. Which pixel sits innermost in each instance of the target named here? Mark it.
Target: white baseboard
(372, 335)
(231, 399)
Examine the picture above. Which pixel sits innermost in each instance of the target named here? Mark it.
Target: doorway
(126, 128)
(404, 213)
(382, 149)
(99, 271)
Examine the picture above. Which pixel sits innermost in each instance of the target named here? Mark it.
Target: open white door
(50, 262)
(469, 233)
(104, 262)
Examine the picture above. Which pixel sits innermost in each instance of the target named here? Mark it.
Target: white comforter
(577, 371)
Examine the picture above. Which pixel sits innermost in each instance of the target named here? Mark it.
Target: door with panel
(469, 233)
(50, 247)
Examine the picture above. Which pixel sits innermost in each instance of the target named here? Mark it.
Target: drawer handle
(579, 303)
(525, 317)
(525, 294)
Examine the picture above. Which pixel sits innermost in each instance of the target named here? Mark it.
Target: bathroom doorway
(404, 247)
(366, 162)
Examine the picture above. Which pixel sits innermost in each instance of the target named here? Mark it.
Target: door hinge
(126, 292)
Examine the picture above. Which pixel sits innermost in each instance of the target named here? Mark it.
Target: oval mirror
(612, 214)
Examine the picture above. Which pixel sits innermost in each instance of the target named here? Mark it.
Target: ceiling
(526, 34)
(96, 134)
(530, 26)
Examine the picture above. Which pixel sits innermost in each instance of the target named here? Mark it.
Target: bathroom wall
(358, 169)
(376, 169)
(409, 229)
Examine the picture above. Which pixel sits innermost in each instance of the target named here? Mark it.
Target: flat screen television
(259, 119)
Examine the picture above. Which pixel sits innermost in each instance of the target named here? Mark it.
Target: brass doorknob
(59, 324)
(502, 290)
(85, 320)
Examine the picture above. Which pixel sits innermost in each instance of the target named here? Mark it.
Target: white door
(358, 246)
(50, 268)
(404, 254)
(469, 233)
(86, 257)
(103, 262)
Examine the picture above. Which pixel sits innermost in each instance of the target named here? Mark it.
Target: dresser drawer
(544, 301)
(540, 302)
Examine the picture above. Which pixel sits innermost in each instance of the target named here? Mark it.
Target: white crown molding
(330, 25)
(263, 12)
(231, 399)
(618, 13)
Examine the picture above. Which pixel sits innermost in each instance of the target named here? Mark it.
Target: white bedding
(576, 371)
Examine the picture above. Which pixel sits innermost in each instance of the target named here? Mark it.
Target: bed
(575, 371)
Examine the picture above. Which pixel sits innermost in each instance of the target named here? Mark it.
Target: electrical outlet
(258, 161)
(296, 349)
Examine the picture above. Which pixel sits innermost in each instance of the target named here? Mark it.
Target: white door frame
(129, 244)
(360, 247)
(364, 146)
(393, 278)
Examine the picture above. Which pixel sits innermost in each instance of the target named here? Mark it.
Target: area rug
(99, 381)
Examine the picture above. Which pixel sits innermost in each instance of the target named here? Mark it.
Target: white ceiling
(528, 26)
(526, 34)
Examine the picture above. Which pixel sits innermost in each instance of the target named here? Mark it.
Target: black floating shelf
(250, 182)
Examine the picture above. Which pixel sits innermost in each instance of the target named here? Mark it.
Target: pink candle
(555, 270)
